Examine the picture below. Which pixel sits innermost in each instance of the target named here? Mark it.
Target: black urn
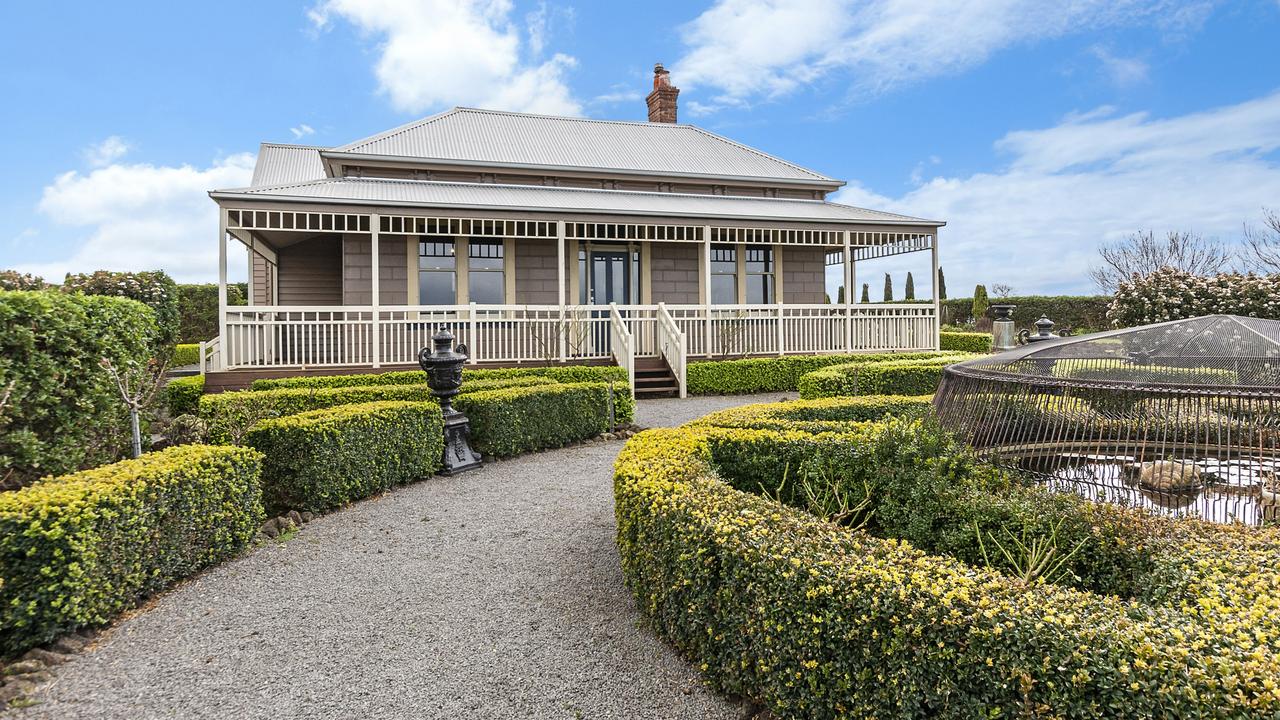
(443, 365)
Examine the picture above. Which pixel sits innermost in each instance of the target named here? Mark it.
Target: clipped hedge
(557, 373)
(320, 460)
(63, 411)
(1068, 311)
(819, 415)
(153, 288)
(185, 354)
(77, 549)
(513, 420)
(198, 309)
(182, 395)
(970, 342)
(772, 374)
(816, 620)
(909, 376)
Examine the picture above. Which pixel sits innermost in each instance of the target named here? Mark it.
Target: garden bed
(853, 572)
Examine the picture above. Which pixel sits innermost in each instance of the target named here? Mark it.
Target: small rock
(610, 436)
(15, 689)
(68, 644)
(271, 529)
(295, 517)
(308, 517)
(284, 522)
(47, 657)
(22, 667)
(42, 676)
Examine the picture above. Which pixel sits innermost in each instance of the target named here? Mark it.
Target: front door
(610, 277)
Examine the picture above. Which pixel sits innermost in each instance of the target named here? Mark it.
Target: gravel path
(495, 594)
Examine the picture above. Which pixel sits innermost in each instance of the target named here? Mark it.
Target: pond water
(1245, 490)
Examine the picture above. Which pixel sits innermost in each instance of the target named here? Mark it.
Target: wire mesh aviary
(1180, 417)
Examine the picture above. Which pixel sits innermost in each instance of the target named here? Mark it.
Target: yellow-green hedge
(973, 342)
(77, 549)
(182, 394)
(773, 374)
(323, 459)
(558, 373)
(894, 376)
(513, 420)
(185, 354)
(820, 414)
(819, 621)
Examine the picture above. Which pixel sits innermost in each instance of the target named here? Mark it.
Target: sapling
(138, 387)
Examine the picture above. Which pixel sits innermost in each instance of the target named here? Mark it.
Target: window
(759, 275)
(486, 282)
(724, 275)
(437, 278)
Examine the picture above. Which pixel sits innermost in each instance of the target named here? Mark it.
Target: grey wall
(535, 266)
(310, 272)
(674, 269)
(804, 275)
(357, 273)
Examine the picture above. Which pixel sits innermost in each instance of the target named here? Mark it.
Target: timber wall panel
(310, 272)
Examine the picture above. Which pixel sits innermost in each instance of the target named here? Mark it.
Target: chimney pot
(662, 101)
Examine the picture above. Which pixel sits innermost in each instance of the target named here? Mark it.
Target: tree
(1001, 290)
(866, 292)
(1142, 253)
(888, 288)
(942, 284)
(980, 303)
(1263, 244)
(909, 292)
(840, 296)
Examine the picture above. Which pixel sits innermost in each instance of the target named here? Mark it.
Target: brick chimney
(662, 101)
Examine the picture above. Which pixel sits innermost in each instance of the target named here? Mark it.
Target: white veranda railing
(620, 343)
(318, 336)
(672, 346)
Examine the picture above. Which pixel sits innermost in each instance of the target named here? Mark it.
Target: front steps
(654, 379)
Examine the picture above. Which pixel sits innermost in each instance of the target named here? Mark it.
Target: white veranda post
(848, 291)
(560, 292)
(937, 296)
(222, 290)
(375, 288)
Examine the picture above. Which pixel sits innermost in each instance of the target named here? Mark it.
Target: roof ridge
(295, 146)
(396, 130)
(761, 153)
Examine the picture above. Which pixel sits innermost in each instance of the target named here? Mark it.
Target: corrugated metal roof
(488, 136)
(280, 164)
(482, 197)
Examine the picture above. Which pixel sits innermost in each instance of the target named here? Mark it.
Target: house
(540, 239)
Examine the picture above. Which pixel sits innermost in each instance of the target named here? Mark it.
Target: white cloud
(302, 131)
(141, 217)
(1123, 72)
(764, 48)
(1036, 223)
(106, 152)
(439, 53)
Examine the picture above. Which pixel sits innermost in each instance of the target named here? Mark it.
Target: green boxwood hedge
(820, 414)
(972, 342)
(558, 373)
(818, 620)
(63, 411)
(77, 549)
(513, 420)
(772, 374)
(182, 394)
(320, 460)
(1068, 311)
(899, 376)
(185, 354)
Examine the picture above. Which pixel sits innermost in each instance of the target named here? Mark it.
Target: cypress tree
(980, 303)
(942, 284)
(909, 292)
(888, 288)
(840, 295)
(866, 292)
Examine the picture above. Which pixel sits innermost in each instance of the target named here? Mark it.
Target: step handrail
(621, 345)
(673, 347)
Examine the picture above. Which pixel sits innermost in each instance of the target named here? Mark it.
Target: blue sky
(1036, 129)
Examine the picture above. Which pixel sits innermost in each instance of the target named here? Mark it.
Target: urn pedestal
(443, 365)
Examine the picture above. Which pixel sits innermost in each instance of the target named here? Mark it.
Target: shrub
(64, 411)
(980, 302)
(909, 376)
(14, 280)
(77, 549)
(155, 289)
(821, 621)
(521, 419)
(1170, 294)
(323, 459)
(969, 342)
(1067, 311)
(198, 310)
(771, 374)
(558, 373)
(182, 394)
(819, 415)
(186, 430)
(185, 354)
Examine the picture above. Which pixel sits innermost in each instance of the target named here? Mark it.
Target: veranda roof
(391, 192)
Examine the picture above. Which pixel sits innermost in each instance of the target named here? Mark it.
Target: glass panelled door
(610, 277)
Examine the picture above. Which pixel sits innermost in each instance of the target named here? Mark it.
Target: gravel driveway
(495, 594)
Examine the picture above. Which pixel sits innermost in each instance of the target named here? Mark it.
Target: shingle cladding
(466, 135)
(380, 191)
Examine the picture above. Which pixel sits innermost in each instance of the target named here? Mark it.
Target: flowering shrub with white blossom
(14, 280)
(1171, 294)
(155, 289)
